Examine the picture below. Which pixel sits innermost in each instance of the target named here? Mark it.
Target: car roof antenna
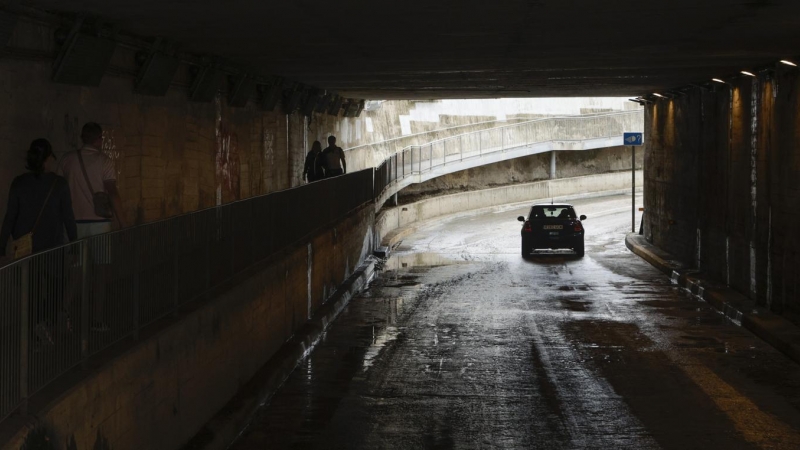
(551, 200)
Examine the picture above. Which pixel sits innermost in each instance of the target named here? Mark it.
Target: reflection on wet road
(460, 343)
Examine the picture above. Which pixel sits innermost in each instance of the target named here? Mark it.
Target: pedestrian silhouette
(333, 159)
(39, 206)
(313, 169)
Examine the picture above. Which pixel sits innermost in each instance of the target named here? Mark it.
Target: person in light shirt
(89, 171)
(102, 177)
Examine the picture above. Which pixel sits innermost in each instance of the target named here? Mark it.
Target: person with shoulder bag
(39, 211)
(39, 206)
(96, 200)
(93, 183)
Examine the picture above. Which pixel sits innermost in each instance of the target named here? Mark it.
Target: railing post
(480, 144)
(461, 146)
(85, 314)
(208, 238)
(411, 156)
(137, 285)
(528, 139)
(24, 334)
(430, 154)
(176, 270)
(233, 239)
(444, 153)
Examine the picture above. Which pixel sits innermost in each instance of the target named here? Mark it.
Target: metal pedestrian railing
(419, 159)
(61, 306)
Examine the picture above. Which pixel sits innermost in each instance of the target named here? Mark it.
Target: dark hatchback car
(552, 226)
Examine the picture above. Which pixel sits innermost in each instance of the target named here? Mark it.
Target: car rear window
(552, 212)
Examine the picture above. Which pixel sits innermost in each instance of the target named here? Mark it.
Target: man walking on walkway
(95, 200)
(333, 159)
(93, 184)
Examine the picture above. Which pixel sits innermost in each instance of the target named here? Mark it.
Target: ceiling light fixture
(718, 80)
(744, 72)
(658, 95)
(788, 63)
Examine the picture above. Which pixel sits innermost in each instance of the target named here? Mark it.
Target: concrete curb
(228, 423)
(771, 328)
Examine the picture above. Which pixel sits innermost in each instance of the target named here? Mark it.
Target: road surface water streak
(460, 343)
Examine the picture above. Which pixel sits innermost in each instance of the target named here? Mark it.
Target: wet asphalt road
(460, 343)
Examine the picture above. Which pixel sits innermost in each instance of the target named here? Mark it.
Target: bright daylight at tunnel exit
(420, 225)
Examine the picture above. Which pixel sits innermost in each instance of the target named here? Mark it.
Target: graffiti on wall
(110, 149)
(226, 159)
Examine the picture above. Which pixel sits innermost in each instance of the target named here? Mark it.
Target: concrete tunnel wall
(721, 187)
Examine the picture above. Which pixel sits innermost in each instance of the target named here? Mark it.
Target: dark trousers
(333, 173)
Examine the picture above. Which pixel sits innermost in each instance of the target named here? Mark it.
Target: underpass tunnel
(208, 112)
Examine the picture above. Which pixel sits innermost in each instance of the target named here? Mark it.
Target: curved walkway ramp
(419, 163)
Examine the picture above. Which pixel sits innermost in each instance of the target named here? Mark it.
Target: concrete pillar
(553, 165)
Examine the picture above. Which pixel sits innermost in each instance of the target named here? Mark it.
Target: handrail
(582, 116)
(544, 119)
(438, 130)
(55, 308)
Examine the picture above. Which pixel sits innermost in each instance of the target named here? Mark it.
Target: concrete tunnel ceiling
(471, 48)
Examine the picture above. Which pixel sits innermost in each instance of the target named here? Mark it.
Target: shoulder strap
(46, 199)
(83, 169)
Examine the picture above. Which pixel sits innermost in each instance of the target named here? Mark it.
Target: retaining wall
(393, 219)
(162, 390)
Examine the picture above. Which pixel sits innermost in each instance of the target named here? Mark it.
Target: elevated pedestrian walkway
(419, 163)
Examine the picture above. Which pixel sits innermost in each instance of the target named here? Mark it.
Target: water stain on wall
(226, 159)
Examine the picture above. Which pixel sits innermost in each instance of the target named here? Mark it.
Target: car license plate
(553, 227)
(554, 233)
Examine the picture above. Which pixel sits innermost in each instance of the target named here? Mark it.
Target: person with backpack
(39, 206)
(333, 159)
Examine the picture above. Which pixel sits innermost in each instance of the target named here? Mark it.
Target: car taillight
(527, 227)
(578, 226)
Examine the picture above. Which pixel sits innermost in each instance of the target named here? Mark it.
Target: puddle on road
(576, 305)
(381, 337)
(400, 261)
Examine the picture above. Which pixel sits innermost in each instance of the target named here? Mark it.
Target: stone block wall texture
(721, 188)
(158, 394)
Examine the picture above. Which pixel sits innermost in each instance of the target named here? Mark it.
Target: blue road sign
(633, 139)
